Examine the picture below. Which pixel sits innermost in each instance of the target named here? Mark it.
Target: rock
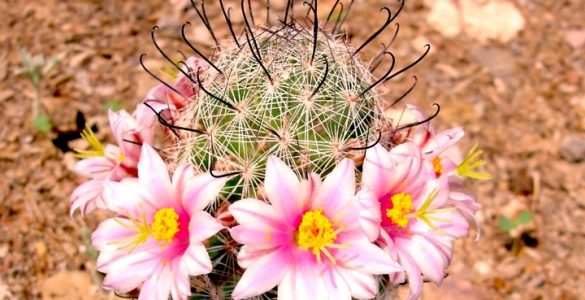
(572, 149)
(444, 17)
(575, 38)
(497, 19)
(479, 19)
(68, 285)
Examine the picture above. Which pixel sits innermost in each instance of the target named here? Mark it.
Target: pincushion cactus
(272, 135)
(309, 109)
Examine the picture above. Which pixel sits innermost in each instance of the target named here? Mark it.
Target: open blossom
(167, 101)
(434, 145)
(155, 242)
(110, 162)
(418, 221)
(308, 240)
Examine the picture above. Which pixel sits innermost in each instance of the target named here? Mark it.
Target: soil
(515, 80)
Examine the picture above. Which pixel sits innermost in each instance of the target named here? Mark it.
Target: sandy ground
(512, 72)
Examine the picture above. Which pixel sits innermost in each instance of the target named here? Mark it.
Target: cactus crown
(308, 108)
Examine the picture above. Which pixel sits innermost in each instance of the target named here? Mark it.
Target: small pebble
(573, 149)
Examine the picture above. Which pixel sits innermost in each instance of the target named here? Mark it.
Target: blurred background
(512, 72)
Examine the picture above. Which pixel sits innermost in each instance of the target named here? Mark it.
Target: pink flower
(418, 221)
(308, 240)
(163, 99)
(109, 162)
(432, 144)
(156, 241)
(435, 146)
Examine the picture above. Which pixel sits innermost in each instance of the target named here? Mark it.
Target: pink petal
(154, 177)
(86, 197)
(260, 236)
(427, 257)
(126, 198)
(361, 286)
(195, 261)
(369, 213)
(368, 258)
(336, 285)
(181, 176)
(438, 187)
(95, 167)
(309, 188)
(415, 281)
(146, 118)
(180, 283)
(202, 226)
(200, 191)
(255, 212)
(377, 171)
(128, 272)
(441, 141)
(302, 283)
(156, 288)
(409, 174)
(111, 231)
(338, 189)
(248, 255)
(448, 165)
(262, 275)
(282, 188)
(467, 206)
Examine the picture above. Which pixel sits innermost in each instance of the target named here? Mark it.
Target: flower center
(401, 207)
(437, 166)
(165, 225)
(316, 233)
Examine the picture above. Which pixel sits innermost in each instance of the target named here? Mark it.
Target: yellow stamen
(316, 232)
(165, 225)
(437, 166)
(141, 228)
(97, 149)
(164, 228)
(471, 163)
(401, 207)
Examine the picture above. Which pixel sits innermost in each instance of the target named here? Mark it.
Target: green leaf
(524, 217)
(507, 224)
(113, 105)
(43, 123)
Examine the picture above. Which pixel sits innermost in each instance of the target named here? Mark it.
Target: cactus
(309, 109)
(301, 94)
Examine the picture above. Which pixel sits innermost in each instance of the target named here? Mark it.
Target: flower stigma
(401, 207)
(97, 149)
(316, 232)
(472, 161)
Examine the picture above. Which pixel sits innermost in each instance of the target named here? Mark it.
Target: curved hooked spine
(205, 21)
(412, 64)
(434, 115)
(195, 49)
(381, 79)
(229, 21)
(166, 57)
